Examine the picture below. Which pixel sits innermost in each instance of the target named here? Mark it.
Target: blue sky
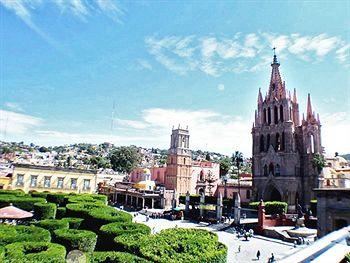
(64, 64)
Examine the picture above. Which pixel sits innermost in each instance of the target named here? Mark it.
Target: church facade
(284, 146)
(185, 175)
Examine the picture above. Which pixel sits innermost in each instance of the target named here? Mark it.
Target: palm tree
(237, 158)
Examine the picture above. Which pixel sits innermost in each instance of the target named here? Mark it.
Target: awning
(12, 212)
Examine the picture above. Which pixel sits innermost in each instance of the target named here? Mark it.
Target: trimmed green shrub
(12, 192)
(61, 212)
(57, 198)
(184, 245)
(115, 257)
(83, 240)
(87, 198)
(45, 210)
(39, 194)
(271, 207)
(131, 242)
(104, 215)
(22, 202)
(110, 231)
(52, 224)
(74, 223)
(34, 252)
(11, 234)
(80, 210)
(347, 257)
(2, 254)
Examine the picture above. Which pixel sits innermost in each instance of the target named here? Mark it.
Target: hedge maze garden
(65, 222)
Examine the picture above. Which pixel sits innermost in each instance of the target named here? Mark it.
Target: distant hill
(346, 156)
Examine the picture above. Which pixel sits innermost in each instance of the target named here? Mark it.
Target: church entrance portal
(272, 194)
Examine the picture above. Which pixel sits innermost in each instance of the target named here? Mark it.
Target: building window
(271, 169)
(86, 184)
(60, 182)
(268, 142)
(276, 115)
(248, 194)
(184, 160)
(264, 116)
(47, 181)
(20, 180)
(33, 180)
(269, 115)
(283, 145)
(278, 170)
(281, 113)
(262, 142)
(278, 142)
(265, 170)
(73, 183)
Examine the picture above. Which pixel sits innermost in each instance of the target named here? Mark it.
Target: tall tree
(237, 158)
(124, 159)
(225, 165)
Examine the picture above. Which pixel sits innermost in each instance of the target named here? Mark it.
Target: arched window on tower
(184, 160)
(262, 143)
(281, 113)
(269, 115)
(268, 142)
(271, 169)
(275, 115)
(265, 170)
(283, 144)
(278, 170)
(312, 143)
(264, 116)
(278, 142)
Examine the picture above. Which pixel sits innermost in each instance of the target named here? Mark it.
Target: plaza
(248, 249)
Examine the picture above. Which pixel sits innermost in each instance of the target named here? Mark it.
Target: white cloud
(143, 64)
(221, 87)
(241, 53)
(17, 123)
(25, 10)
(335, 132)
(13, 106)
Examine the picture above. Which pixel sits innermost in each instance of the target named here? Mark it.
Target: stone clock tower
(179, 163)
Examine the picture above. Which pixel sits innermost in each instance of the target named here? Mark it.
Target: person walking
(272, 258)
(258, 254)
(239, 248)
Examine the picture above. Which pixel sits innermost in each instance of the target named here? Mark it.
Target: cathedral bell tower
(179, 162)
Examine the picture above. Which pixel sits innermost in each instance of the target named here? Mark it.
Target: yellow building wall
(54, 175)
(5, 182)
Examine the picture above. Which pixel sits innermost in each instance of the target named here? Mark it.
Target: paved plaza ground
(248, 249)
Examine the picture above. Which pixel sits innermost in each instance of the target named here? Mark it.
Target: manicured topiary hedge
(23, 202)
(115, 257)
(11, 234)
(45, 210)
(12, 192)
(110, 231)
(2, 254)
(61, 212)
(52, 224)
(131, 242)
(104, 215)
(183, 245)
(39, 194)
(271, 207)
(87, 198)
(57, 198)
(35, 252)
(81, 209)
(74, 223)
(76, 239)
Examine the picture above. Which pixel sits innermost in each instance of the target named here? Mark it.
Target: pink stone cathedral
(283, 148)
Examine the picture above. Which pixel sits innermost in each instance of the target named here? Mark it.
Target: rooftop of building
(53, 168)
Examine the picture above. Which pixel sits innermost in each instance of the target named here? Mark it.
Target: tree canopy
(124, 159)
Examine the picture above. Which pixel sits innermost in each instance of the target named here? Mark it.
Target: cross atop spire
(275, 61)
(309, 107)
